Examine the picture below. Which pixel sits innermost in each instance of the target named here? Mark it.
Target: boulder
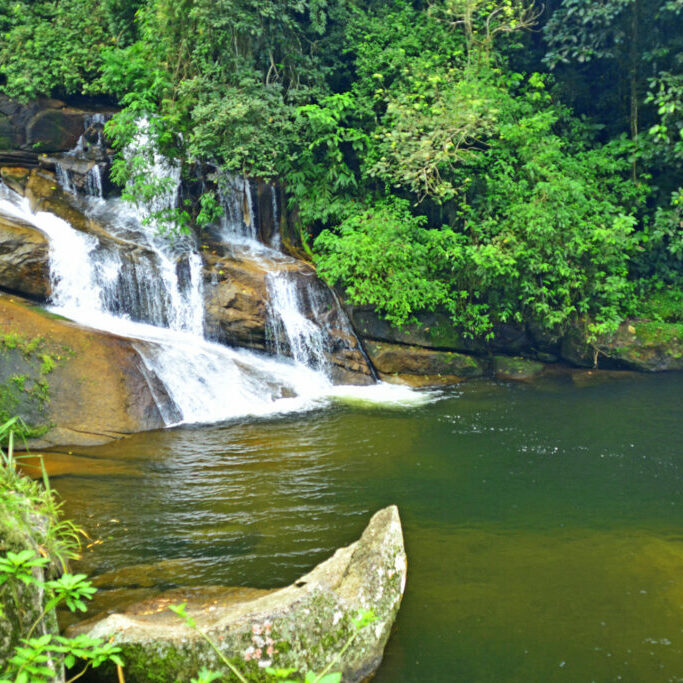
(418, 366)
(71, 384)
(303, 626)
(648, 346)
(24, 259)
(516, 368)
(236, 297)
(39, 126)
(54, 130)
(644, 345)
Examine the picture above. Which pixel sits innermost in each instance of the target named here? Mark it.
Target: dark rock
(577, 350)
(24, 259)
(433, 330)
(403, 360)
(41, 125)
(55, 130)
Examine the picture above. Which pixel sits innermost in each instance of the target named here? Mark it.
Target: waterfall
(206, 381)
(290, 331)
(84, 159)
(128, 278)
(276, 239)
(238, 223)
(304, 319)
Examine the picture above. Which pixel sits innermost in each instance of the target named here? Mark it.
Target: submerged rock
(303, 626)
(516, 368)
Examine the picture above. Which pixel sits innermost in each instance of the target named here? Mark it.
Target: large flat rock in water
(71, 384)
(303, 626)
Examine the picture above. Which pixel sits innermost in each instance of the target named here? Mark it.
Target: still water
(543, 523)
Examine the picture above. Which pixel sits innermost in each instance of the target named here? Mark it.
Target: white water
(93, 178)
(237, 225)
(207, 382)
(291, 331)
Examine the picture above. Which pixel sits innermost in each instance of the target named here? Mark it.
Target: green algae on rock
(302, 626)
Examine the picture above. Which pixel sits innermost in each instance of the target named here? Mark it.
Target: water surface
(543, 523)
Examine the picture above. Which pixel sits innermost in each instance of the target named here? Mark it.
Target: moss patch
(25, 367)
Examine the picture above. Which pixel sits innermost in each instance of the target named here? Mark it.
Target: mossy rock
(643, 345)
(432, 331)
(649, 346)
(403, 360)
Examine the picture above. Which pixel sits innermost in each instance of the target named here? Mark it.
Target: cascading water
(276, 240)
(304, 318)
(85, 158)
(130, 279)
(290, 331)
(237, 224)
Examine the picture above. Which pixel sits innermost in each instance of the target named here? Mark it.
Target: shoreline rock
(303, 626)
(71, 384)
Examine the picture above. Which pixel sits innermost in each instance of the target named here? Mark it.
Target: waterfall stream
(133, 281)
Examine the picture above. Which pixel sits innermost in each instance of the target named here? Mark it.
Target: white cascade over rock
(147, 285)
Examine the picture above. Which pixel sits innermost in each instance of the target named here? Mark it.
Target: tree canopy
(503, 160)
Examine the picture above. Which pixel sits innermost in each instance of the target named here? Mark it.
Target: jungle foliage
(501, 159)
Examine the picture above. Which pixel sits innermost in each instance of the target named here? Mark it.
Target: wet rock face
(76, 385)
(303, 626)
(236, 298)
(24, 259)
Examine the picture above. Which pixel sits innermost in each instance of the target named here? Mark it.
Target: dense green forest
(503, 160)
